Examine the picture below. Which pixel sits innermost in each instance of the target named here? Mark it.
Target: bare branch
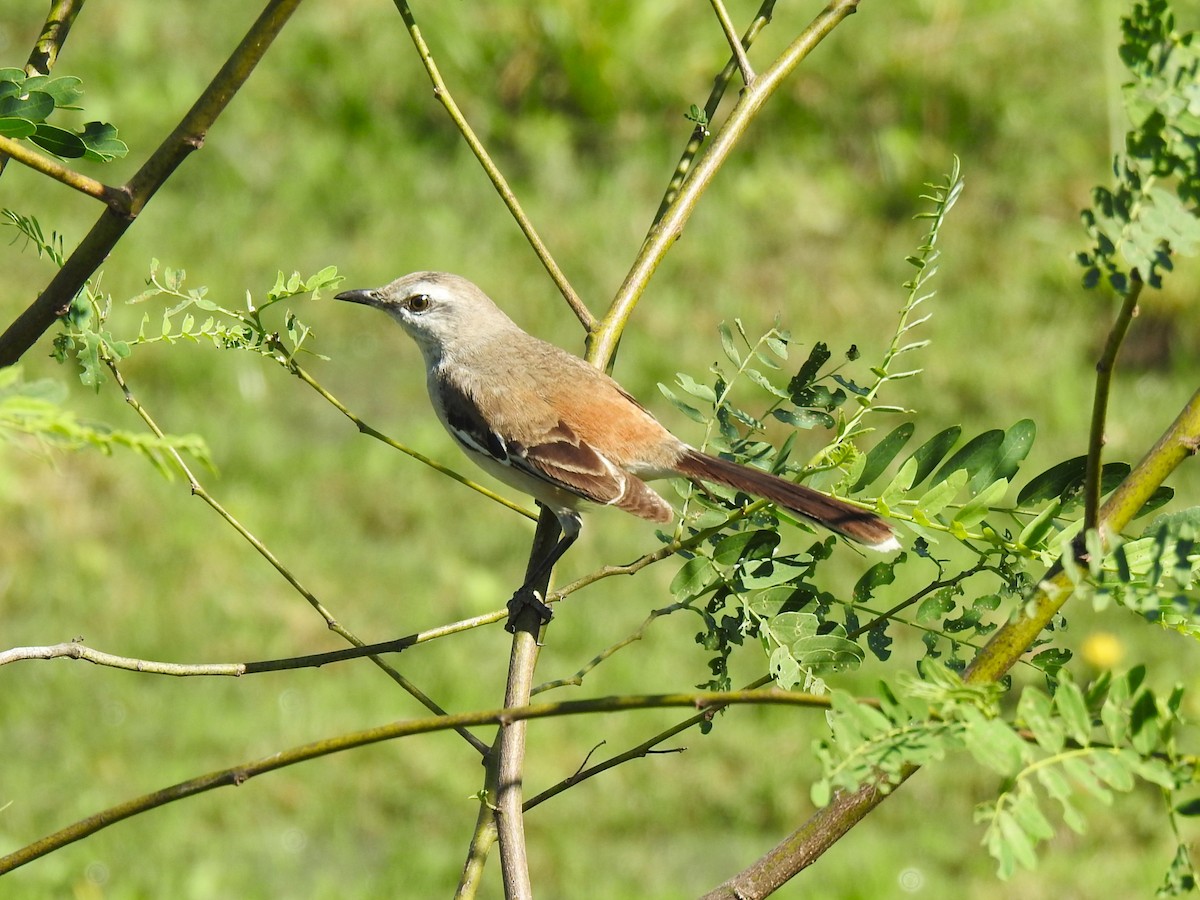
(739, 52)
(493, 172)
(668, 230)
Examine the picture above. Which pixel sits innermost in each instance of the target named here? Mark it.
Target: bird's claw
(526, 599)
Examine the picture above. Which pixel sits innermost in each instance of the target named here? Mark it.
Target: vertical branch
(510, 742)
(1104, 371)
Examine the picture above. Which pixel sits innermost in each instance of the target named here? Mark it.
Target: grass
(336, 153)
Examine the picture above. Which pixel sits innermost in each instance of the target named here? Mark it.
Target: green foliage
(1155, 574)
(35, 409)
(94, 347)
(1149, 215)
(26, 102)
(1058, 746)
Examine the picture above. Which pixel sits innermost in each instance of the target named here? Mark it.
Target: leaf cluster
(1060, 746)
(27, 101)
(36, 409)
(193, 318)
(1149, 213)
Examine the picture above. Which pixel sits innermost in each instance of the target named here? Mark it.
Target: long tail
(849, 521)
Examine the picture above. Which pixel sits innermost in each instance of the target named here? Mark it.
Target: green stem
(1104, 372)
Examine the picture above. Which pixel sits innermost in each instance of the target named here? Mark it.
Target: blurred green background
(337, 153)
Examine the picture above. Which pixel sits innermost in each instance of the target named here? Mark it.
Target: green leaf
(1040, 526)
(883, 453)
(59, 141)
(1035, 711)
(817, 357)
(754, 544)
(978, 454)
(102, 143)
(34, 106)
(1054, 483)
(977, 509)
(936, 607)
(1112, 767)
(693, 576)
(65, 90)
(804, 418)
(993, 743)
(1081, 773)
(1029, 816)
(728, 345)
(1018, 843)
(693, 387)
(937, 498)
(687, 409)
(16, 128)
(1068, 699)
(933, 451)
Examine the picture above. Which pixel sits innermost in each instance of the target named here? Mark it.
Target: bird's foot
(522, 600)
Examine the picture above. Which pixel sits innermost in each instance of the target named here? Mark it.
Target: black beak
(367, 298)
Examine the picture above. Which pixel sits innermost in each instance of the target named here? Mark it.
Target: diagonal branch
(602, 343)
(114, 198)
(493, 172)
(54, 34)
(188, 135)
(238, 775)
(739, 52)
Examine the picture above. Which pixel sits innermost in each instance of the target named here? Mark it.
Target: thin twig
(739, 52)
(1104, 372)
(78, 650)
(443, 95)
(199, 490)
(700, 132)
(396, 445)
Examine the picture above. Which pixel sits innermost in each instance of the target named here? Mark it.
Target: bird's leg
(528, 595)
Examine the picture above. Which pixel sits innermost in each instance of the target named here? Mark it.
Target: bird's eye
(418, 302)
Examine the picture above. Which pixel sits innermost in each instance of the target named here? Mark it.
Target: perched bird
(545, 422)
